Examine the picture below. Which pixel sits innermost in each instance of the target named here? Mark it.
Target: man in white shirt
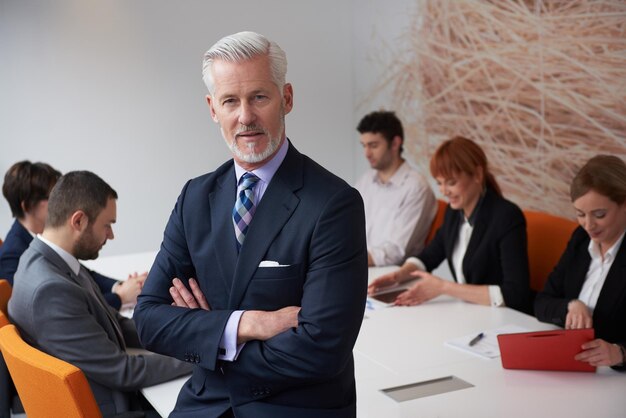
(399, 204)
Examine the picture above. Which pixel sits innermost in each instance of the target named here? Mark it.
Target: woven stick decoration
(540, 85)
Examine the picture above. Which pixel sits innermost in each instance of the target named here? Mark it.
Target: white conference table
(405, 345)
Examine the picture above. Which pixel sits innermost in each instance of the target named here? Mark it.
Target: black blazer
(566, 281)
(17, 241)
(497, 252)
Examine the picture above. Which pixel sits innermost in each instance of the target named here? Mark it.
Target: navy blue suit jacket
(310, 222)
(496, 254)
(566, 281)
(17, 241)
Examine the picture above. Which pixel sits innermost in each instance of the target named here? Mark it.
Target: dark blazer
(313, 224)
(65, 315)
(17, 241)
(497, 252)
(566, 281)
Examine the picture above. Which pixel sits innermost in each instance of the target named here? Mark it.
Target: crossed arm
(253, 325)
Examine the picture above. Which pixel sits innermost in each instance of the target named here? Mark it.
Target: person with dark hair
(58, 309)
(399, 204)
(26, 188)
(264, 260)
(483, 238)
(587, 288)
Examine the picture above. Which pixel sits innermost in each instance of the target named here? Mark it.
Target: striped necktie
(244, 206)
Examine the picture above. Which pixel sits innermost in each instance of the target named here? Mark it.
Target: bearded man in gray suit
(57, 306)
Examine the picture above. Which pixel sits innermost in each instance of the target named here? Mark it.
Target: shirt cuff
(416, 262)
(115, 285)
(495, 296)
(228, 348)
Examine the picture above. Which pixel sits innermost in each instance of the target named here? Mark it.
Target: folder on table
(545, 350)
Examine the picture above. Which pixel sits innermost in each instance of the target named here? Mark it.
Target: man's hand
(129, 289)
(578, 316)
(263, 325)
(186, 299)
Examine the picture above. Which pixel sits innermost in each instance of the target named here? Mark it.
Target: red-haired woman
(483, 238)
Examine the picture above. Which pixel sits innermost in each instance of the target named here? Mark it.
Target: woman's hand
(386, 280)
(578, 316)
(426, 288)
(600, 353)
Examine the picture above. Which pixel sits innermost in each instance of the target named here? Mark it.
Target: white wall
(114, 87)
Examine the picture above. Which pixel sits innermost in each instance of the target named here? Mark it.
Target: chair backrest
(5, 294)
(547, 238)
(48, 387)
(438, 221)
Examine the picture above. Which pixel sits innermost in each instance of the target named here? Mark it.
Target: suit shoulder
(315, 174)
(580, 238)
(205, 183)
(507, 209)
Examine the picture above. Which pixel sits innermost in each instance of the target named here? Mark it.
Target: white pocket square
(269, 263)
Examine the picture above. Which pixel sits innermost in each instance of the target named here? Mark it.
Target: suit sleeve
(333, 303)
(88, 346)
(551, 302)
(161, 326)
(514, 260)
(435, 252)
(9, 259)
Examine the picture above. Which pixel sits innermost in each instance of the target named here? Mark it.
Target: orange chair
(438, 221)
(5, 294)
(547, 238)
(48, 387)
(8, 397)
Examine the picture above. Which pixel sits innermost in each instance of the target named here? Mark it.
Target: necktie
(244, 206)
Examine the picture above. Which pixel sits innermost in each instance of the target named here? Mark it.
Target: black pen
(476, 339)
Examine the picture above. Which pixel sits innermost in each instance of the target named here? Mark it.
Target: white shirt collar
(397, 177)
(266, 171)
(71, 261)
(594, 249)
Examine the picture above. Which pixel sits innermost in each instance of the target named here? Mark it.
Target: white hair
(243, 46)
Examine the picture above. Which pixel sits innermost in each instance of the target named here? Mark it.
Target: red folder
(545, 350)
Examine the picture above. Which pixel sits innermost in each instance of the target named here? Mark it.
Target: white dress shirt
(395, 212)
(598, 270)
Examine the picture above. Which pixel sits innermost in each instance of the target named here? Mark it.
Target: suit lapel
(86, 283)
(278, 204)
(483, 217)
(221, 203)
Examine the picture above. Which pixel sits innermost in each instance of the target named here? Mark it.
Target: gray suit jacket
(59, 315)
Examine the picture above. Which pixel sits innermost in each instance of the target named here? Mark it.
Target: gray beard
(255, 157)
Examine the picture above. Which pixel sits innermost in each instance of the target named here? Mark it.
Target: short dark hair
(604, 174)
(382, 122)
(29, 183)
(78, 190)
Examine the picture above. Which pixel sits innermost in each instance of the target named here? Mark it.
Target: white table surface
(404, 345)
